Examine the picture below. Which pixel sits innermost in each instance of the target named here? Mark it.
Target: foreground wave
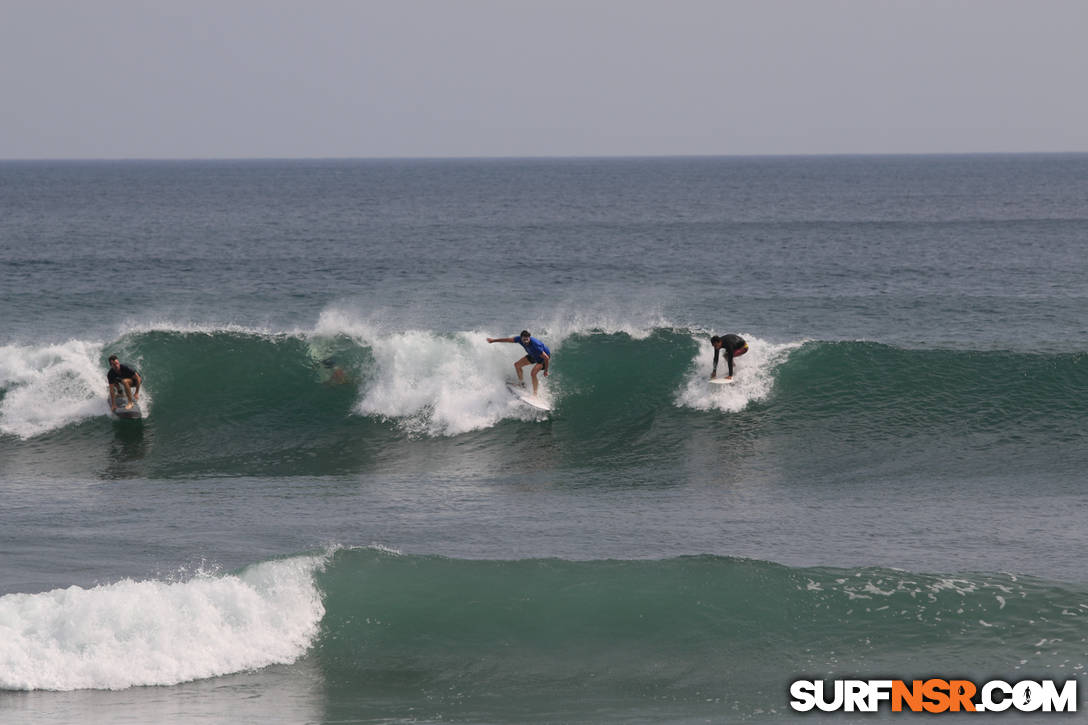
(387, 623)
(159, 632)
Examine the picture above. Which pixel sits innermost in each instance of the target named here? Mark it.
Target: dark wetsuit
(733, 345)
(114, 377)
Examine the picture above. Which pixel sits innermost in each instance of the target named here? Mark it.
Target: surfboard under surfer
(123, 378)
(734, 346)
(537, 354)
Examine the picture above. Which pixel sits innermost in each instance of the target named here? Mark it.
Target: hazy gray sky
(340, 78)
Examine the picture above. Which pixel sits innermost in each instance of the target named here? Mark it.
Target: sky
(188, 79)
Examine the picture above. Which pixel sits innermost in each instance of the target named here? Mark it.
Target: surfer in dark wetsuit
(537, 354)
(122, 377)
(734, 346)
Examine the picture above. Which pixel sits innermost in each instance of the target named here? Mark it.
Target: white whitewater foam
(442, 384)
(564, 325)
(198, 328)
(134, 633)
(51, 386)
(753, 375)
(553, 330)
(561, 323)
(430, 383)
(337, 320)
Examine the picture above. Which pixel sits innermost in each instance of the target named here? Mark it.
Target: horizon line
(529, 157)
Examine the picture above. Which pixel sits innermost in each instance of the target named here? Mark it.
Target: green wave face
(298, 405)
(701, 630)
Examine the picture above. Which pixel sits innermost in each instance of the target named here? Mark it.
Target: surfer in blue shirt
(537, 354)
(734, 346)
(123, 378)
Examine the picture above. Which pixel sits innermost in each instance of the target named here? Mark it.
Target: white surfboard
(720, 381)
(526, 396)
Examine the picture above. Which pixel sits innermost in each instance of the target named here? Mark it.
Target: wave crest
(134, 633)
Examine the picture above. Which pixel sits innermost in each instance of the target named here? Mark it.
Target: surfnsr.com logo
(935, 695)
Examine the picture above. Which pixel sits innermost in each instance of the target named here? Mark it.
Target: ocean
(334, 511)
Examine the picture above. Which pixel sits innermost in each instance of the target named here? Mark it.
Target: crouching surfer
(122, 378)
(734, 346)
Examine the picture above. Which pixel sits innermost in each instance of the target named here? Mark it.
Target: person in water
(123, 378)
(734, 346)
(336, 376)
(537, 354)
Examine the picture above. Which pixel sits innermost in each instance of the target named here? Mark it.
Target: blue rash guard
(533, 348)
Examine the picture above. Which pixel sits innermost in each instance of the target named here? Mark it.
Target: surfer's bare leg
(519, 365)
(128, 391)
(536, 369)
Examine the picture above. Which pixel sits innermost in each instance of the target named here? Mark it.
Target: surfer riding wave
(537, 354)
(122, 379)
(734, 346)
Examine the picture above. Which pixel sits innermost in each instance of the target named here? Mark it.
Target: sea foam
(442, 384)
(753, 376)
(133, 633)
(50, 386)
(431, 383)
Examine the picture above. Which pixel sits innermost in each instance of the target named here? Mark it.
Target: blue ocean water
(334, 510)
